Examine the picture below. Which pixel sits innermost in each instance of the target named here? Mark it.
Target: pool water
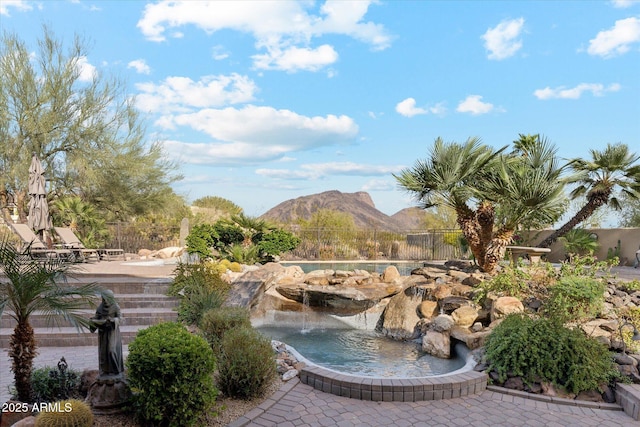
(404, 268)
(362, 352)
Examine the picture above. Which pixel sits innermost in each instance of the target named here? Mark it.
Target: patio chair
(34, 246)
(70, 241)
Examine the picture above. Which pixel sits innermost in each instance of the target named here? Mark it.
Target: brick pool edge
(394, 389)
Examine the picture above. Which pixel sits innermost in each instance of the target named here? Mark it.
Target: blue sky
(261, 102)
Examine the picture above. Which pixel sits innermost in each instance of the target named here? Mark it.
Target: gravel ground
(227, 410)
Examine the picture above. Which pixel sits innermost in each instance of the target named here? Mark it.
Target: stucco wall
(629, 239)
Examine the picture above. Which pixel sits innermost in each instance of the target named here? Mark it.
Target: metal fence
(336, 244)
(132, 236)
(316, 244)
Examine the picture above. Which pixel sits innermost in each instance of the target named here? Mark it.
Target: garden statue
(107, 320)
(109, 393)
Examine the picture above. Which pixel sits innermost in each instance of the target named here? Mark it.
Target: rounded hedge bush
(246, 363)
(216, 322)
(170, 372)
(544, 350)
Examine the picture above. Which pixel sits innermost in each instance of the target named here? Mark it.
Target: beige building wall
(627, 238)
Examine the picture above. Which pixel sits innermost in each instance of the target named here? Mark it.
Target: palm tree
(507, 190)
(528, 189)
(448, 176)
(598, 178)
(27, 287)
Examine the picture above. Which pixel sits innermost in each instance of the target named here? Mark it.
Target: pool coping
(394, 389)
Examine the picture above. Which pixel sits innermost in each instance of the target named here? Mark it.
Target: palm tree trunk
(22, 350)
(468, 223)
(496, 250)
(587, 210)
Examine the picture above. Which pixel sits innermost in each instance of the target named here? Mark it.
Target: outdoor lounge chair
(35, 247)
(70, 241)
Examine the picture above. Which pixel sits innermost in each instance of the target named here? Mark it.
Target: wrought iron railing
(337, 244)
(317, 243)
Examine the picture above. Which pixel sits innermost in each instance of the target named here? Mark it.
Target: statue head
(107, 297)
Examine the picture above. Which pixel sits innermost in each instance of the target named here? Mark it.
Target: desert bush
(511, 281)
(575, 298)
(544, 350)
(246, 363)
(276, 242)
(201, 239)
(50, 384)
(170, 372)
(632, 316)
(71, 413)
(216, 322)
(200, 288)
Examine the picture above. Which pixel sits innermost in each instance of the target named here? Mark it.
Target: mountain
(359, 205)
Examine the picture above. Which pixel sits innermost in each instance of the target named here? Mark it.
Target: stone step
(146, 301)
(71, 337)
(122, 285)
(131, 316)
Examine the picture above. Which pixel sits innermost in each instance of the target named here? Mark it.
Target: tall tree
(83, 127)
(492, 193)
(28, 287)
(610, 169)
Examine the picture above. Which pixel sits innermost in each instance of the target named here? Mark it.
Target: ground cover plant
(541, 349)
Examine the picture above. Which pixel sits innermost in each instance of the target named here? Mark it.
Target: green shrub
(51, 384)
(575, 298)
(216, 322)
(243, 254)
(511, 281)
(201, 239)
(275, 243)
(544, 350)
(246, 363)
(200, 289)
(579, 241)
(170, 372)
(70, 413)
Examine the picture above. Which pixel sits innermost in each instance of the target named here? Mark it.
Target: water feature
(364, 352)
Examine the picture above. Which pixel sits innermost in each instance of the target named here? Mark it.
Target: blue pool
(364, 352)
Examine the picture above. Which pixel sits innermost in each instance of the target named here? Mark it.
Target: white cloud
(617, 40)
(408, 108)
(296, 58)
(317, 171)
(473, 104)
(182, 94)
(503, 40)
(285, 29)
(622, 4)
(20, 5)
(379, 185)
(253, 134)
(218, 53)
(86, 70)
(561, 92)
(140, 66)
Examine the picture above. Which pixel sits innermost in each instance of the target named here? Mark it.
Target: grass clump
(200, 289)
(170, 372)
(246, 363)
(216, 322)
(543, 350)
